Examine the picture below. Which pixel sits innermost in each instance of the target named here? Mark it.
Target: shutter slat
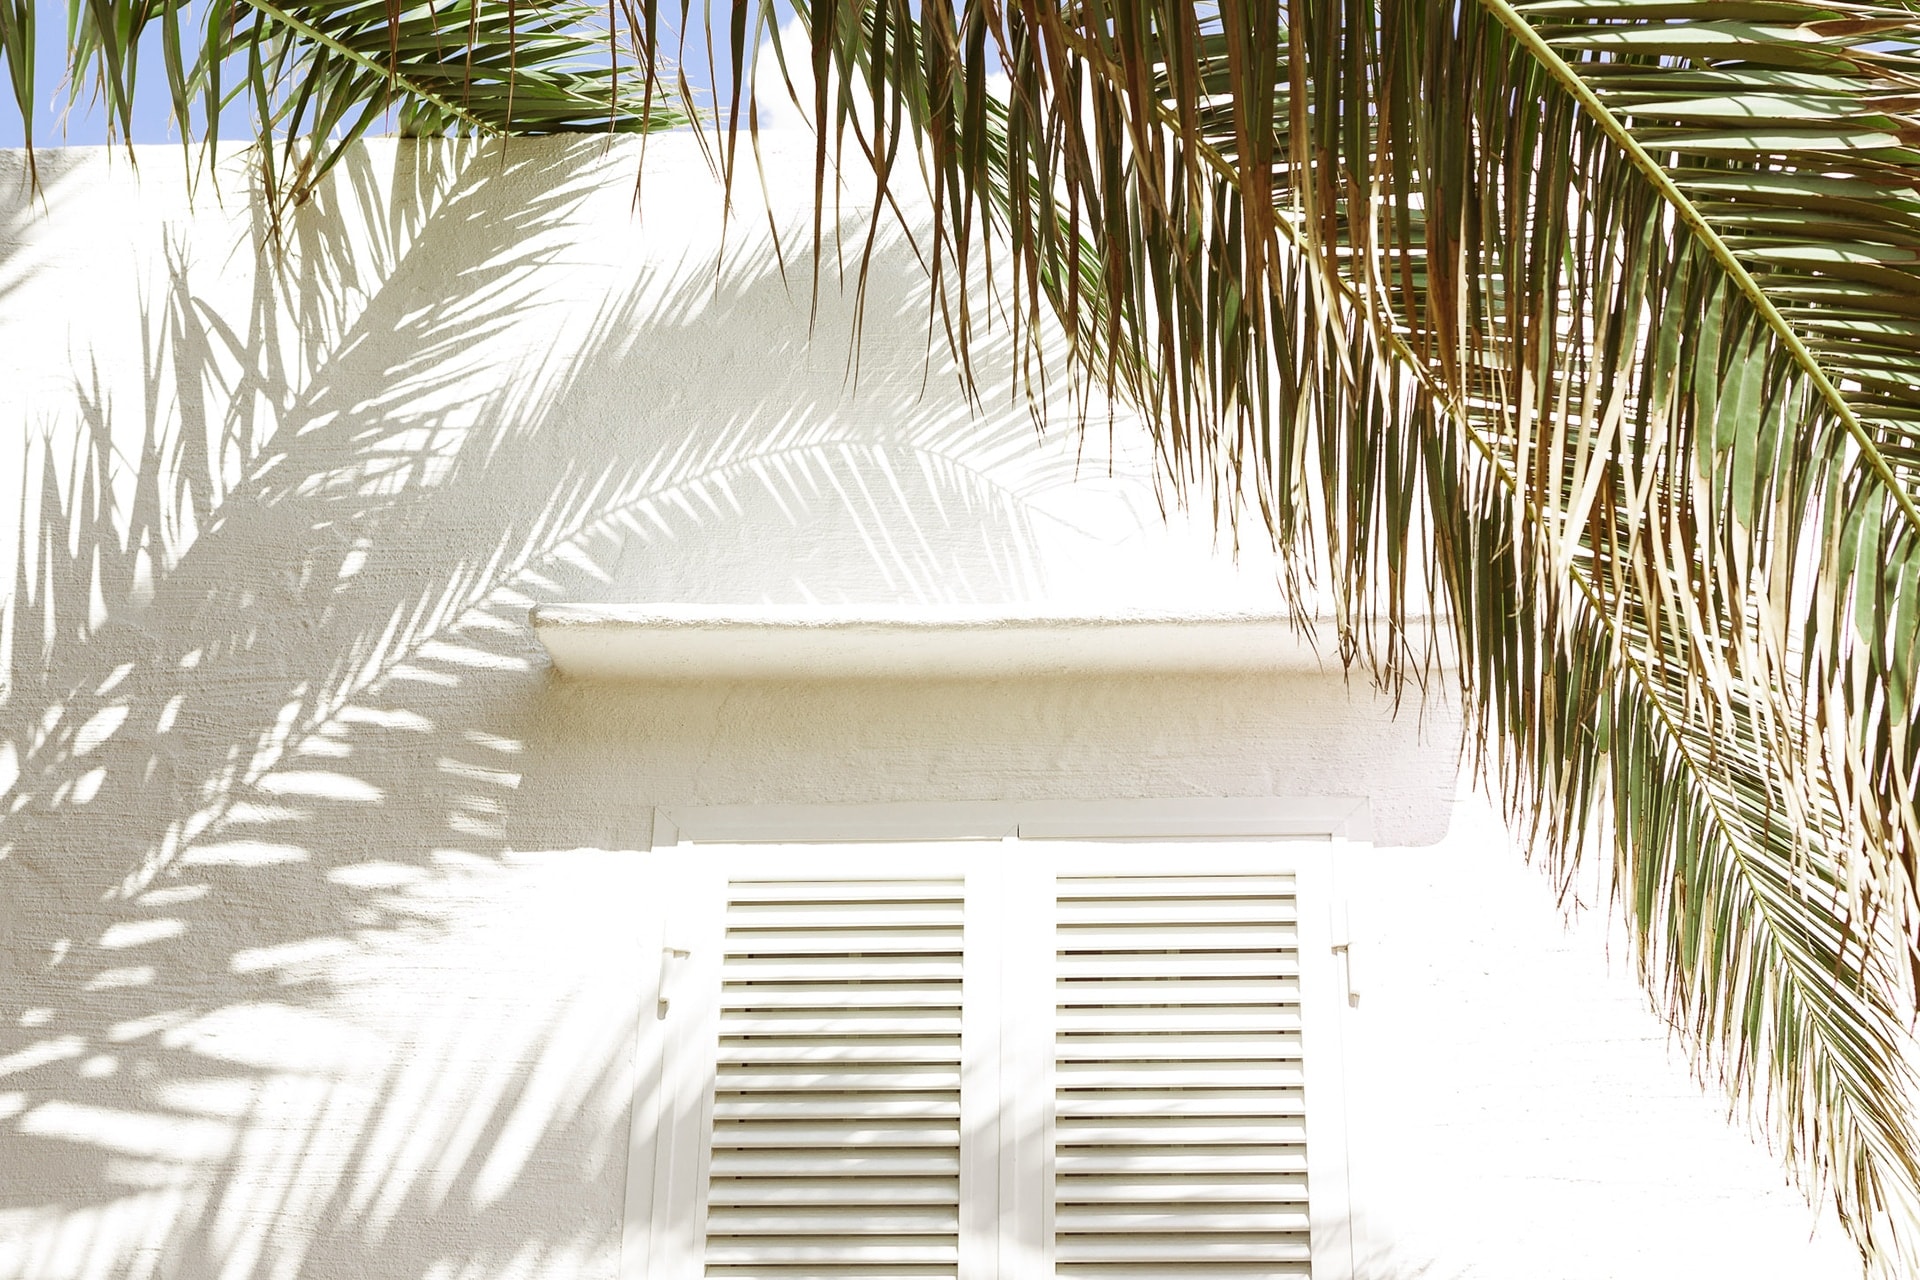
(858, 1133)
(864, 941)
(840, 1220)
(877, 1049)
(747, 893)
(1083, 1020)
(1182, 1075)
(839, 1191)
(775, 1250)
(835, 1146)
(1179, 1117)
(816, 1076)
(1165, 888)
(1158, 964)
(839, 916)
(1197, 1102)
(757, 1106)
(879, 1163)
(1267, 1247)
(1207, 1271)
(1181, 1160)
(837, 968)
(1196, 936)
(1180, 988)
(762, 994)
(1223, 1218)
(1275, 1048)
(1205, 1131)
(815, 1272)
(1085, 1189)
(1158, 912)
(849, 1022)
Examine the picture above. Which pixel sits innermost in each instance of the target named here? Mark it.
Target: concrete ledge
(1188, 818)
(700, 642)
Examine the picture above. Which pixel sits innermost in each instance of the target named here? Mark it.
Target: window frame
(668, 1149)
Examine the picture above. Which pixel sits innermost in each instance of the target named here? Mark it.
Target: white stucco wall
(301, 974)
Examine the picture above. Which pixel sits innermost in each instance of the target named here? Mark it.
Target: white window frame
(668, 1151)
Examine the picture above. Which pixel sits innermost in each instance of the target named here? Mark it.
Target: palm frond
(319, 76)
(17, 48)
(1593, 324)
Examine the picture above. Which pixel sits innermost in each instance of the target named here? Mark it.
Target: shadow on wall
(268, 689)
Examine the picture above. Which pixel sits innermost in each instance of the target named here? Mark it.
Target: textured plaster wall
(314, 882)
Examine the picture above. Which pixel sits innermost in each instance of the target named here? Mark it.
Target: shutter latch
(1343, 947)
(670, 958)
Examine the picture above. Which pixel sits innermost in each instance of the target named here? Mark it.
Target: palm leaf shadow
(268, 702)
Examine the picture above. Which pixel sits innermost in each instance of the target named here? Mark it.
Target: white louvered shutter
(998, 1063)
(836, 1094)
(1179, 1133)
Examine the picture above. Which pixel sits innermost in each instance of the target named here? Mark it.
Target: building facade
(339, 924)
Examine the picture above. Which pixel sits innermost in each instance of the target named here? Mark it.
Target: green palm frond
(1591, 324)
(318, 76)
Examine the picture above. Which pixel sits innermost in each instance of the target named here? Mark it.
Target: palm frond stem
(392, 70)
(1656, 174)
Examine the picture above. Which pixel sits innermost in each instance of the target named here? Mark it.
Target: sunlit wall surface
(314, 882)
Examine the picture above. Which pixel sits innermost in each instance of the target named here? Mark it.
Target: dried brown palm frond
(1593, 325)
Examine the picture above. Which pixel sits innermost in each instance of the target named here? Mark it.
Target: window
(989, 1060)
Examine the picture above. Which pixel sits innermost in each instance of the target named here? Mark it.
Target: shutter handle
(670, 958)
(1343, 947)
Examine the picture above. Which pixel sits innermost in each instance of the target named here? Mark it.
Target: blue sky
(57, 122)
(84, 124)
